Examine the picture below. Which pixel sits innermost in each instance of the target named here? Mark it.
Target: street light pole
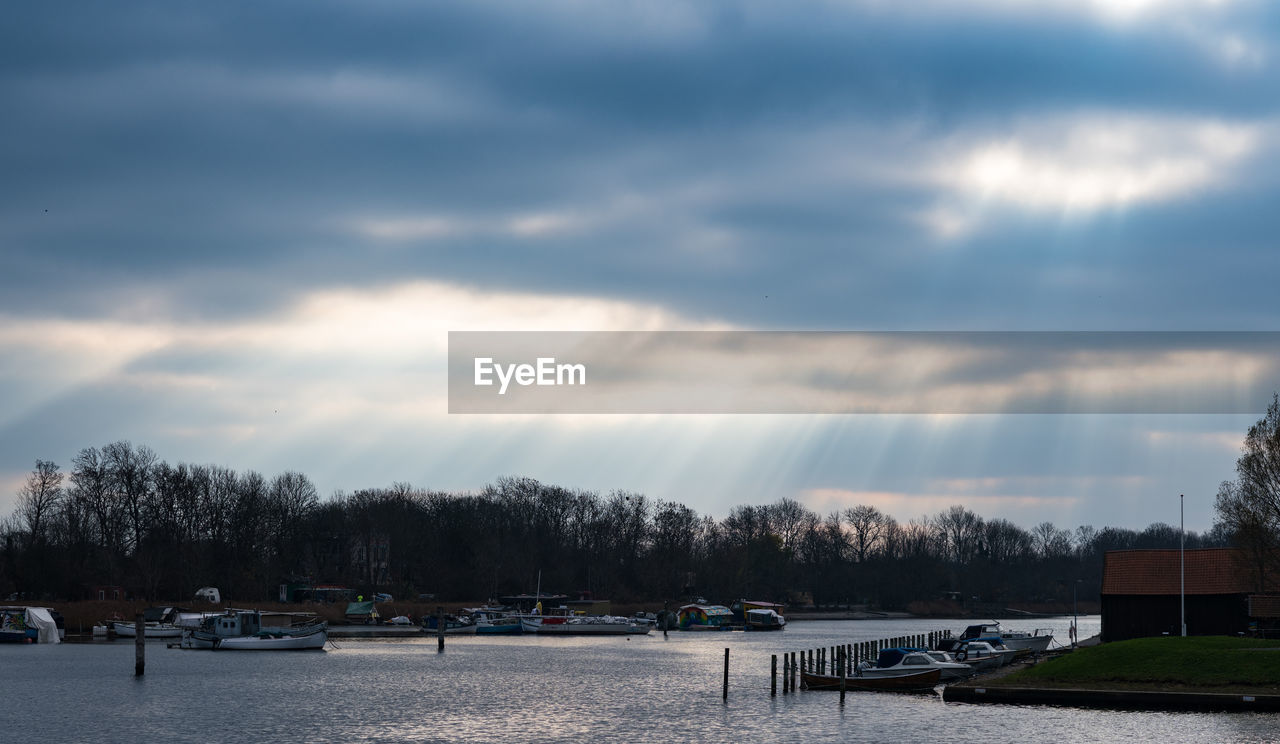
(1182, 554)
(1075, 613)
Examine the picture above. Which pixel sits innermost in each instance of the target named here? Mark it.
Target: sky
(240, 233)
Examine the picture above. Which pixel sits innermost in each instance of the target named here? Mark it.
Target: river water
(531, 689)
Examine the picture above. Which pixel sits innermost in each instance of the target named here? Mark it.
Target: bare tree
(1249, 508)
(1050, 542)
(867, 527)
(961, 533)
(39, 496)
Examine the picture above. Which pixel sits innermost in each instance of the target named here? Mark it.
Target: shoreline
(1121, 699)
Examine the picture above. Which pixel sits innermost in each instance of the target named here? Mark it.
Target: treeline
(122, 517)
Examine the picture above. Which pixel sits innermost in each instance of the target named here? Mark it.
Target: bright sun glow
(1083, 164)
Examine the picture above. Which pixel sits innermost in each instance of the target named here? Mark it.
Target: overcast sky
(239, 233)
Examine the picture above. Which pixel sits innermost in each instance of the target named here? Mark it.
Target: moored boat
(28, 625)
(592, 625)
(704, 617)
(243, 630)
(912, 682)
(896, 662)
(157, 622)
(982, 655)
(1017, 640)
(453, 625)
(495, 621)
(763, 619)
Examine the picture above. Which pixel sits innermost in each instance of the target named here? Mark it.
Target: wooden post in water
(786, 675)
(439, 629)
(773, 675)
(139, 646)
(725, 695)
(842, 677)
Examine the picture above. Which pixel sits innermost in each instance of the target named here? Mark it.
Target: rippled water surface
(529, 689)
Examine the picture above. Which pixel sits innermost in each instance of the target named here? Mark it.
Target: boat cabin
(698, 616)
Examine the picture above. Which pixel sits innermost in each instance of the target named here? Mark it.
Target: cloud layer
(211, 211)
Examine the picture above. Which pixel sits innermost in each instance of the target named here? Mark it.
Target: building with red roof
(1142, 593)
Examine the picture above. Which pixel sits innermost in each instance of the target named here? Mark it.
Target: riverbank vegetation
(121, 516)
(1206, 664)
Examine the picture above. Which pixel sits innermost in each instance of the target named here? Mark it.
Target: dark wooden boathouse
(1141, 593)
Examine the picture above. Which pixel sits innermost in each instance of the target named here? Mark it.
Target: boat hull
(912, 682)
(275, 643)
(264, 642)
(128, 630)
(593, 629)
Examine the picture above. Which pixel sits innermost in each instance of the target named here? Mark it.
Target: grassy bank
(1206, 664)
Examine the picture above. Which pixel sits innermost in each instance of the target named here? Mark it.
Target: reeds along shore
(81, 616)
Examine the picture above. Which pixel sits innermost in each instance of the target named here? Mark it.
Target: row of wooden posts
(842, 660)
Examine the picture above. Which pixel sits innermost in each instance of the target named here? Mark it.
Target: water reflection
(533, 689)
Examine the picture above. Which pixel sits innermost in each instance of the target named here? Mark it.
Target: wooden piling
(139, 646)
(842, 678)
(773, 675)
(794, 669)
(725, 694)
(439, 629)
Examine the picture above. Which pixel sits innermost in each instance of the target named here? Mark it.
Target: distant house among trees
(1142, 594)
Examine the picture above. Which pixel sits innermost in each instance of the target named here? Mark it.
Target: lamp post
(1075, 614)
(1182, 559)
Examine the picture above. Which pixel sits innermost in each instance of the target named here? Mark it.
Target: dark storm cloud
(227, 148)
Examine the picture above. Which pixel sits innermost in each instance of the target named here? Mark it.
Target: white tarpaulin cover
(40, 618)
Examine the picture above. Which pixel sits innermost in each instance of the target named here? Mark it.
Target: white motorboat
(242, 630)
(157, 622)
(149, 630)
(983, 656)
(589, 625)
(1017, 640)
(895, 662)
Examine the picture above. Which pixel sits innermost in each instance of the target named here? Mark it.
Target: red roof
(1209, 571)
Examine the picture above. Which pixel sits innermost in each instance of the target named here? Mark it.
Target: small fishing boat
(1017, 640)
(896, 662)
(983, 656)
(495, 621)
(157, 622)
(243, 630)
(913, 682)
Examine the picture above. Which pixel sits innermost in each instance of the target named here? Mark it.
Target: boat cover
(890, 657)
(360, 608)
(40, 618)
